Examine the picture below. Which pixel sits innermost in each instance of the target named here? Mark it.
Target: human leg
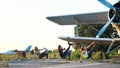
(90, 53)
(43, 55)
(67, 52)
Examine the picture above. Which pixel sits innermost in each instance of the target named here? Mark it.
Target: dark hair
(36, 48)
(59, 47)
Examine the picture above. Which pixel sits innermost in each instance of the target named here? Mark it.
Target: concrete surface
(57, 63)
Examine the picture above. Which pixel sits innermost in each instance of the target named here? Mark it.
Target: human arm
(90, 45)
(41, 49)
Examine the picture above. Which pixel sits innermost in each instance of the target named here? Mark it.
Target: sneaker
(69, 43)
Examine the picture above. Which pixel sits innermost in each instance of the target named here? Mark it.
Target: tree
(91, 31)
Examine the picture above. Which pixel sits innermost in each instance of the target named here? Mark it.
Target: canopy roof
(89, 18)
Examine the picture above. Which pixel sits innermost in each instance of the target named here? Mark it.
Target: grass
(7, 57)
(4, 59)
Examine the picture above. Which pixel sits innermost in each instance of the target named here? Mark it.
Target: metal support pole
(76, 30)
(77, 33)
(114, 49)
(110, 46)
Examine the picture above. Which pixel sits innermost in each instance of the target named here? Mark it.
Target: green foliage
(53, 55)
(75, 55)
(30, 56)
(55, 51)
(88, 30)
(98, 55)
(5, 63)
(49, 51)
(114, 55)
(77, 46)
(32, 51)
(91, 30)
(112, 60)
(7, 57)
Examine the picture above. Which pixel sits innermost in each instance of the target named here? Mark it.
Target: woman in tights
(66, 53)
(85, 54)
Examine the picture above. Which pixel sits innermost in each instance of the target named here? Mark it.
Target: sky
(23, 22)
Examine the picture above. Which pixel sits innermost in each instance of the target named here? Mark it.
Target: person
(20, 53)
(85, 54)
(66, 53)
(39, 55)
